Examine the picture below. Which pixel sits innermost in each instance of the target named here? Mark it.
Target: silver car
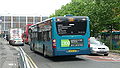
(97, 47)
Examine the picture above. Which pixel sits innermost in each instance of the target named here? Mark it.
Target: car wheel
(10, 43)
(22, 44)
(105, 54)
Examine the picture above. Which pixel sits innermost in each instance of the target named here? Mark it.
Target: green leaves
(101, 12)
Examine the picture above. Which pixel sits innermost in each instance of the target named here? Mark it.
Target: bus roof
(72, 16)
(59, 17)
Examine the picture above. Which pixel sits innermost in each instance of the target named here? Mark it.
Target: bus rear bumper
(74, 52)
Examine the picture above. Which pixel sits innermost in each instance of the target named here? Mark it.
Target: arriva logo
(65, 43)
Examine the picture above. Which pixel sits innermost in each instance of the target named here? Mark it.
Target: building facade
(13, 21)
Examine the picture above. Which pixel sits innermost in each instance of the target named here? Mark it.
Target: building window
(22, 19)
(44, 18)
(7, 26)
(2, 26)
(2, 17)
(22, 25)
(7, 18)
(16, 25)
(30, 19)
(16, 19)
(37, 19)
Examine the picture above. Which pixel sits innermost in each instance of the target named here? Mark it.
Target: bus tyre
(73, 56)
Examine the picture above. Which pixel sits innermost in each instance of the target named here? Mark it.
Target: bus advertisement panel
(60, 36)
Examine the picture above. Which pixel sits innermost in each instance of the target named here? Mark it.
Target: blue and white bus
(60, 36)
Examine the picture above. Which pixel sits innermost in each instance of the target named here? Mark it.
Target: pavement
(9, 56)
(14, 56)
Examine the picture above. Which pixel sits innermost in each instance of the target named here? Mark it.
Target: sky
(31, 7)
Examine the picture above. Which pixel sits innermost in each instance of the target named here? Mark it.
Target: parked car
(97, 47)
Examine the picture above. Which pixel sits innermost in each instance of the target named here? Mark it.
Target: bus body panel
(40, 45)
(64, 50)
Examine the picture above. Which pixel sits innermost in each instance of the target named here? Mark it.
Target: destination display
(71, 28)
(63, 29)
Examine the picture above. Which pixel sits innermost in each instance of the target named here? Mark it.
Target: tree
(102, 13)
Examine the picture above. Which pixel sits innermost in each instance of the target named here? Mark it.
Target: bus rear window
(72, 28)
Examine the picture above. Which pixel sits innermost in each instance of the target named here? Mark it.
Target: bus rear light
(54, 43)
(88, 45)
(58, 19)
(54, 46)
(88, 42)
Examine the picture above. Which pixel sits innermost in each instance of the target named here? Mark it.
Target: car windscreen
(71, 28)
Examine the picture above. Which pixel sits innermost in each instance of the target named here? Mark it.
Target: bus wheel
(73, 56)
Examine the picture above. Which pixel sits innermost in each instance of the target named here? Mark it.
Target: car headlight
(107, 48)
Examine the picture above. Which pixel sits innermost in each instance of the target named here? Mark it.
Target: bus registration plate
(72, 50)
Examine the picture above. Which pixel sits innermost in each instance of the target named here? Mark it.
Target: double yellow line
(30, 61)
(27, 59)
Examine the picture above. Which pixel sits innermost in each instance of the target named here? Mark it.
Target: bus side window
(36, 36)
(40, 36)
(48, 36)
(45, 36)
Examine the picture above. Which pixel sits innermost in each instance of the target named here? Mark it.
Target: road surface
(80, 61)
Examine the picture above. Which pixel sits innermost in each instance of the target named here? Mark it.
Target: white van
(15, 36)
